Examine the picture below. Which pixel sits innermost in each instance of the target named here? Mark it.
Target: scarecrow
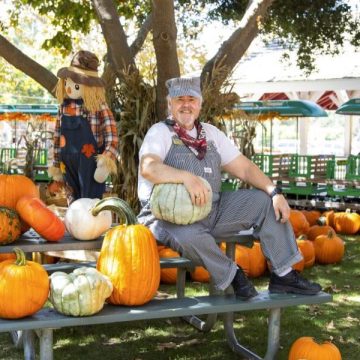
(85, 138)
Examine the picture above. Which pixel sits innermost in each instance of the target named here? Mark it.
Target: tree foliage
(308, 26)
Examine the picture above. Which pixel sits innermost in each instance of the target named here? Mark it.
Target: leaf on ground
(169, 345)
(330, 325)
(162, 295)
(332, 289)
(172, 345)
(314, 310)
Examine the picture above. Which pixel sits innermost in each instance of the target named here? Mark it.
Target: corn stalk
(31, 141)
(133, 102)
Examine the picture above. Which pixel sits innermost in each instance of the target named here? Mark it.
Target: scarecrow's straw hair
(93, 96)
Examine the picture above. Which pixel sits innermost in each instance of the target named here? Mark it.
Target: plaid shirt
(102, 124)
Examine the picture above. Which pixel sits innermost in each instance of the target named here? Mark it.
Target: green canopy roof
(351, 107)
(29, 109)
(286, 108)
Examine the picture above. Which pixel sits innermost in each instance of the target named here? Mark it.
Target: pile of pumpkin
(316, 237)
(128, 268)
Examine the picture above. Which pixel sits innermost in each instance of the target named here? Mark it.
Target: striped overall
(231, 212)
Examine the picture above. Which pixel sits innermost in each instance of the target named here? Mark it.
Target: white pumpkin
(172, 202)
(80, 293)
(80, 222)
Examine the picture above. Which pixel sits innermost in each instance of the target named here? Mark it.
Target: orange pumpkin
(299, 266)
(327, 218)
(257, 262)
(308, 251)
(128, 256)
(10, 227)
(347, 222)
(24, 287)
(298, 222)
(168, 276)
(200, 274)
(329, 248)
(7, 256)
(45, 222)
(13, 187)
(312, 216)
(306, 348)
(55, 187)
(317, 230)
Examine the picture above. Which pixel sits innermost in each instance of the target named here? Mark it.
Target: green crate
(353, 168)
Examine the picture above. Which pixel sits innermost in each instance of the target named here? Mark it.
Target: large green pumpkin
(172, 202)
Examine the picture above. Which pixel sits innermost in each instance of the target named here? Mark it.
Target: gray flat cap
(189, 86)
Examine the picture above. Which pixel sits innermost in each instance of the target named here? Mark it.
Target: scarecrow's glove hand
(55, 173)
(105, 166)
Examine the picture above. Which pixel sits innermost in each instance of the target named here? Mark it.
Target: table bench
(46, 320)
(189, 308)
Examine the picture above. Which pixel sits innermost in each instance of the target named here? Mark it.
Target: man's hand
(197, 189)
(281, 207)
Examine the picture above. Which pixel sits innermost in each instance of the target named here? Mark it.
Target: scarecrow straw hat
(83, 69)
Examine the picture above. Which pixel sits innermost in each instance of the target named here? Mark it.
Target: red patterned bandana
(197, 146)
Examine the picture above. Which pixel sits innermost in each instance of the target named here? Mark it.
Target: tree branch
(28, 66)
(114, 35)
(232, 50)
(146, 27)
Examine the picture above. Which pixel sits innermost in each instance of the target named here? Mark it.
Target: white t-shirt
(158, 141)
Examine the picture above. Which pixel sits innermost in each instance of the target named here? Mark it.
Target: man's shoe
(294, 283)
(243, 288)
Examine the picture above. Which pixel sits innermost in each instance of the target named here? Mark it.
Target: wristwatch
(277, 190)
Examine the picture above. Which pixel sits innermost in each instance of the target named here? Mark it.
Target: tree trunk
(165, 32)
(28, 66)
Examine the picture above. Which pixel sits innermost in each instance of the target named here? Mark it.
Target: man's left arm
(244, 169)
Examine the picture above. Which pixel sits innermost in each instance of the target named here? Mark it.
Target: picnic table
(43, 323)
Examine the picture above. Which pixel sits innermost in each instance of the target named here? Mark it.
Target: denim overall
(78, 155)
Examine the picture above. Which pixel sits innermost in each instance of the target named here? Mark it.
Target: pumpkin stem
(118, 206)
(20, 257)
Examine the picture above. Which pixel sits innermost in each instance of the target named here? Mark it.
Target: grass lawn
(338, 321)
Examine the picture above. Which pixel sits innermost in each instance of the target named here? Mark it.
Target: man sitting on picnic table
(204, 151)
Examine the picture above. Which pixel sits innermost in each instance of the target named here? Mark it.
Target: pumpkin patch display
(45, 222)
(80, 293)
(251, 260)
(346, 222)
(308, 251)
(298, 222)
(168, 276)
(13, 187)
(10, 227)
(172, 202)
(82, 224)
(317, 230)
(329, 249)
(307, 348)
(129, 257)
(200, 274)
(24, 287)
(327, 218)
(7, 256)
(312, 216)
